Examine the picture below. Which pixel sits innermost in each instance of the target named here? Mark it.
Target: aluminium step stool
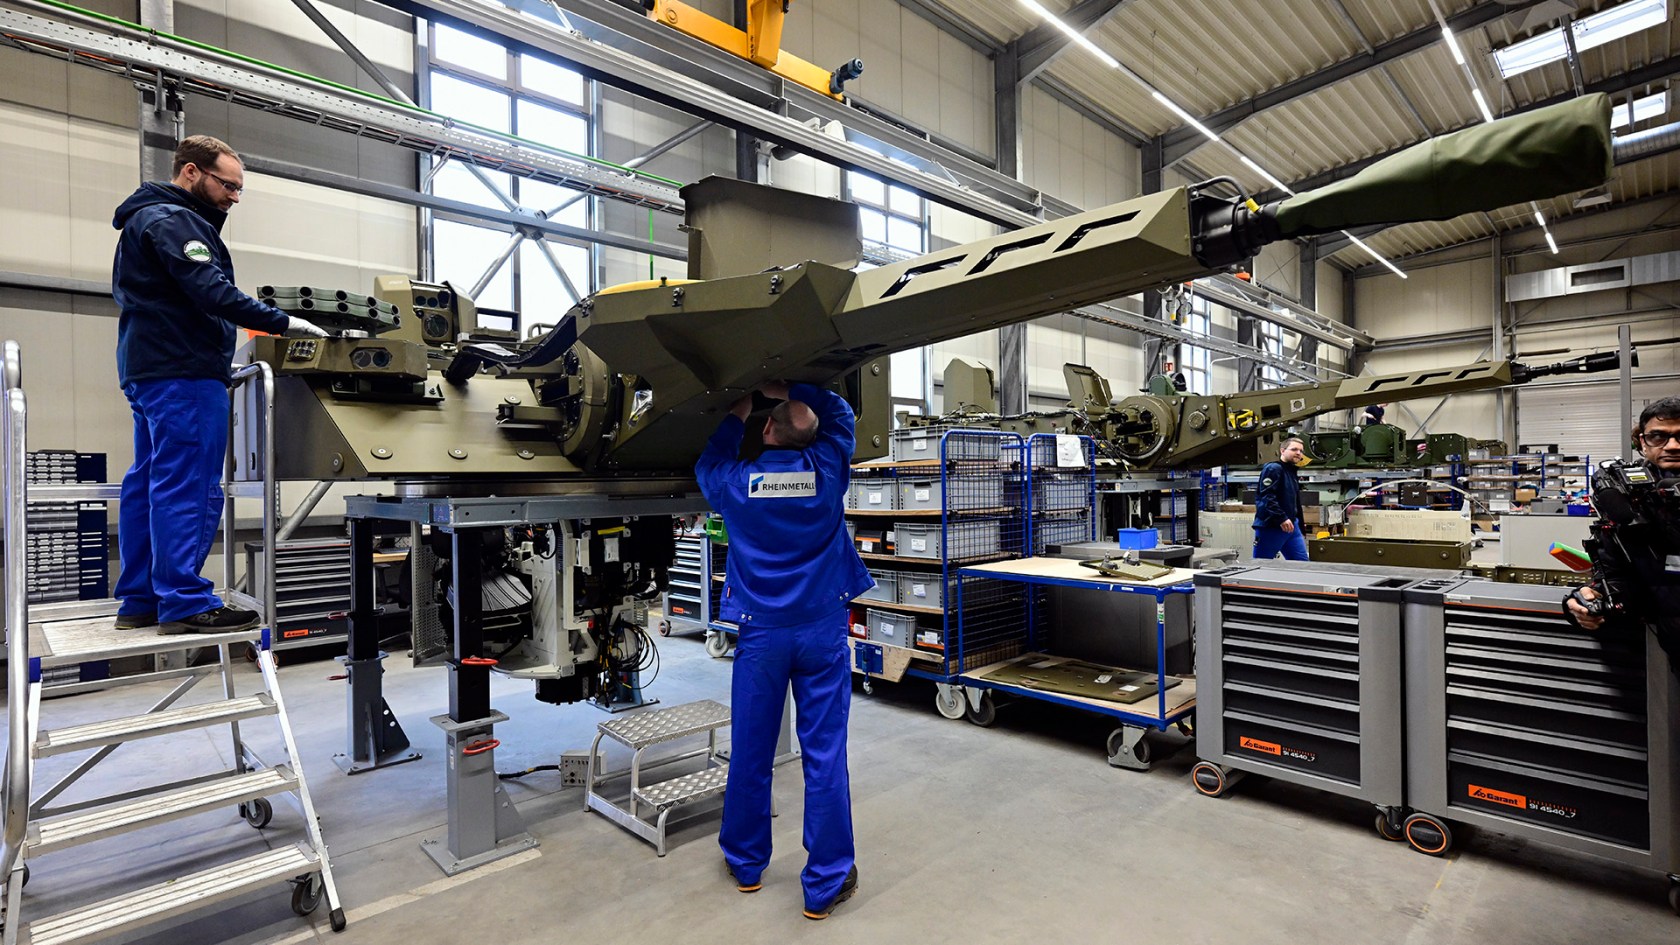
(641, 730)
(64, 635)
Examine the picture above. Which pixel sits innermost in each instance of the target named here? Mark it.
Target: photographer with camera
(1635, 546)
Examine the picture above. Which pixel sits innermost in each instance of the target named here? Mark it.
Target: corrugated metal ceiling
(1208, 55)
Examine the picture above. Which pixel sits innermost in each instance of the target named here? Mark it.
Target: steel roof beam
(1044, 43)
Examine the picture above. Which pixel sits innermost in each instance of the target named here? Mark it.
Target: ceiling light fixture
(1602, 27)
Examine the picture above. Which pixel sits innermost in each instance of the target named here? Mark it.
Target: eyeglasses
(1659, 438)
(232, 188)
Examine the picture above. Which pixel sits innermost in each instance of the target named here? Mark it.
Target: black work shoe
(740, 886)
(847, 888)
(220, 620)
(136, 621)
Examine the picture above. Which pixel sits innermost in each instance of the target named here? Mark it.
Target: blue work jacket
(790, 559)
(1278, 496)
(173, 280)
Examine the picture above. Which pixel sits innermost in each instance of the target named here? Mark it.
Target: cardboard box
(1524, 495)
(1409, 524)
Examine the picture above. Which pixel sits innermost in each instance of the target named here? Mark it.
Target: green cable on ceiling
(350, 89)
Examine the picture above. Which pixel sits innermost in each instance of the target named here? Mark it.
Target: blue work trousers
(172, 497)
(812, 657)
(1271, 539)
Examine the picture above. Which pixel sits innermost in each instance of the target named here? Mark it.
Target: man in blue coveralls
(792, 572)
(1277, 507)
(173, 280)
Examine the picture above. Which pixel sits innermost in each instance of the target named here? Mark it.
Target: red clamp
(477, 661)
(480, 747)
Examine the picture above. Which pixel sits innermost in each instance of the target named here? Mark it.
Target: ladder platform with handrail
(36, 823)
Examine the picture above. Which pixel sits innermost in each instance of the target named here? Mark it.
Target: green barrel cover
(1547, 152)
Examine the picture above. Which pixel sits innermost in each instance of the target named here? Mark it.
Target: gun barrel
(1586, 364)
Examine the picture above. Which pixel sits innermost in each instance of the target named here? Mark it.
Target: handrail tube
(271, 496)
(16, 786)
(13, 368)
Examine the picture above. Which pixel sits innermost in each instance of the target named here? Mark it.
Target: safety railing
(15, 788)
(260, 374)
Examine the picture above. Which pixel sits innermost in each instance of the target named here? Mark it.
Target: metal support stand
(373, 738)
(484, 826)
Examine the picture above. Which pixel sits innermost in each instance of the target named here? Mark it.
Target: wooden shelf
(905, 608)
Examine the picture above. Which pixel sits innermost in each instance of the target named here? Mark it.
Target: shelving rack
(963, 507)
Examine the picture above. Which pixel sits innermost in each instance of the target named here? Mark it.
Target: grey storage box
(921, 589)
(885, 589)
(930, 493)
(891, 628)
(871, 495)
(924, 443)
(966, 540)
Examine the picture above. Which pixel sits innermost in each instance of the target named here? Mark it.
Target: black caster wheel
(664, 628)
(950, 701)
(1187, 726)
(1209, 779)
(257, 813)
(306, 893)
(26, 874)
(985, 714)
(1387, 830)
(338, 922)
(250, 652)
(1427, 835)
(1673, 894)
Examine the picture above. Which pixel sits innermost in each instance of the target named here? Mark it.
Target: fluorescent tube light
(1602, 27)
(1551, 242)
(1481, 103)
(1648, 107)
(1374, 254)
(1280, 185)
(1452, 43)
(1189, 119)
(1071, 33)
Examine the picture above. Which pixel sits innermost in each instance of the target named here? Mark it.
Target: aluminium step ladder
(640, 731)
(246, 787)
(58, 635)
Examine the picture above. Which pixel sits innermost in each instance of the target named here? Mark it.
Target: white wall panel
(1071, 157)
(1433, 299)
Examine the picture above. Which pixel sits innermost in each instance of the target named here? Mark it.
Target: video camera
(1629, 493)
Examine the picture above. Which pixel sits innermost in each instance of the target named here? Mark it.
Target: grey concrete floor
(1016, 833)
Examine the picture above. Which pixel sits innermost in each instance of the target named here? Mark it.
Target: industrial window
(1270, 336)
(895, 224)
(1198, 362)
(479, 81)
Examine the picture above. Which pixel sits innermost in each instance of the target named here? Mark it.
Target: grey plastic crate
(871, 495)
(921, 589)
(885, 589)
(893, 629)
(929, 493)
(929, 638)
(924, 443)
(967, 540)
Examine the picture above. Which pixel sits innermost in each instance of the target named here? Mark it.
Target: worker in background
(1277, 506)
(1373, 414)
(792, 572)
(173, 281)
(1636, 564)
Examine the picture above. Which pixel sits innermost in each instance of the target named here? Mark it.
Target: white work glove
(298, 328)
